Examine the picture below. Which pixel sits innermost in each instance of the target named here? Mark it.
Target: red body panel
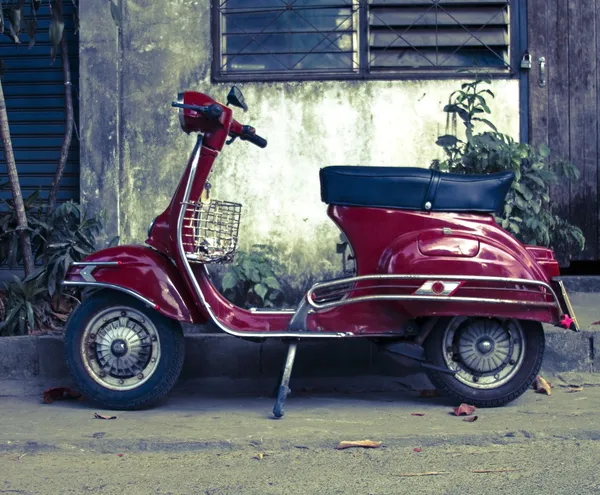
(149, 274)
(384, 241)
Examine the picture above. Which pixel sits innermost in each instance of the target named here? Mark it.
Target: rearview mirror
(236, 98)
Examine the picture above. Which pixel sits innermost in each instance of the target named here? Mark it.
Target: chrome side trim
(413, 297)
(190, 274)
(73, 283)
(86, 273)
(95, 263)
(267, 311)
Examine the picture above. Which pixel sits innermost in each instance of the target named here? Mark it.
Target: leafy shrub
(68, 234)
(252, 280)
(528, 211)
(258, 278)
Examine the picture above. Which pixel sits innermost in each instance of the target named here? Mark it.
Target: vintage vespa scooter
(438, 282)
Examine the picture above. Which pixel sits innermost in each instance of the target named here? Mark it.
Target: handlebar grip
(213, 111)
(256, 140)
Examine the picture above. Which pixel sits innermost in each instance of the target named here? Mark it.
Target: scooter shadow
(413, 391)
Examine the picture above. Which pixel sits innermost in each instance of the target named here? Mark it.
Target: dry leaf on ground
(59, 393)
(367, 444)
(471, 419)
(259, 456)
(572, 390)
(541, 386)
(417, 449)
(101, 416)
(428, 473)
(417, 414)
(429, 393)
(464, 410)
(502, 470)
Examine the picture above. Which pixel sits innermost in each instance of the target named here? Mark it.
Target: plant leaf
(115, 12)
(272, 283)
(230, 280)
(261, 290)
(447, 141)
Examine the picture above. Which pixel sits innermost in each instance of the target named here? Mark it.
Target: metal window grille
(288, 36)
(442, 35)
(295, 39)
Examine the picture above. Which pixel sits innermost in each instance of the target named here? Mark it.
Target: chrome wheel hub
(120, 348)
(485, 352)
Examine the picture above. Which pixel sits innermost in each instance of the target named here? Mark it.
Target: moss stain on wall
(167, 49)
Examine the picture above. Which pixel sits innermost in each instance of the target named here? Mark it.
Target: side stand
(284, 390)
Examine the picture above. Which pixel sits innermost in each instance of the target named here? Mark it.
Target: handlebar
(214, 112)
(249, 134)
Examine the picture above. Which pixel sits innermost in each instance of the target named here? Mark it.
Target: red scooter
(438, 283)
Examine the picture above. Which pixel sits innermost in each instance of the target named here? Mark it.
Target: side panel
(145, 272)
(387, 242)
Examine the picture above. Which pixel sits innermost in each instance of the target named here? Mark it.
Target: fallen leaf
(502, 470)
(59, 393)
(259, 456)
(417, 414)
(429, 473)
(367, 444)
(541, 386)
(464, 410)
(429, 393)
(471, 419)
(572, 390)
(119, 455)
(417, 449)
(101, 416)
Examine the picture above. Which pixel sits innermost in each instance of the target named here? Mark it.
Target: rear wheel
(496, 360)
(122, 354)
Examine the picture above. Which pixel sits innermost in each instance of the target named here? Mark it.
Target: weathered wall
(133, 151)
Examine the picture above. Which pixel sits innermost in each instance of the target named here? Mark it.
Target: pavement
(212, 441)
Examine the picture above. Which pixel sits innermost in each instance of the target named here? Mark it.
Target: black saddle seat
(412, 188)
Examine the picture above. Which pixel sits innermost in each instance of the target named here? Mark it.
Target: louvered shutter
(34, 92)
(442, 35)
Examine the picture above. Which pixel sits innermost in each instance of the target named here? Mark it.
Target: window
(327, 39)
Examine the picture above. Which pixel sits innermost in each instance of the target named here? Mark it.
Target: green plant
(59, 238)
(527, 213)
(71, 236)
(26, 306)
(252, 280)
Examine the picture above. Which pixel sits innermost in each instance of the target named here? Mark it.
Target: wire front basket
(210, 231)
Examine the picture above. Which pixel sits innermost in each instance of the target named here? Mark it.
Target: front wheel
(122, 354)
(496, 360)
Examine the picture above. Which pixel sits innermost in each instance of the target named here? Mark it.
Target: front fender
(141, 272)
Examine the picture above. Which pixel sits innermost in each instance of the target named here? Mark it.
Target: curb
(220, 356)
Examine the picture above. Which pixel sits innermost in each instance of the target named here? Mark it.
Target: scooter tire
(166, 370)
(534, 345)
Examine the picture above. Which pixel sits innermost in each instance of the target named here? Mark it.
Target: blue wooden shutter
(34, 92)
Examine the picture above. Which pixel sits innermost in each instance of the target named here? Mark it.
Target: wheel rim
(120, 348)
(486, 353)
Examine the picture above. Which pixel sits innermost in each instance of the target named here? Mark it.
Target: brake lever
(233, 138)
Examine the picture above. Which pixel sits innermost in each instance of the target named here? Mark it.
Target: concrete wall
(133, 151)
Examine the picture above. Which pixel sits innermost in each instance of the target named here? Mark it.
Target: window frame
(516, 51)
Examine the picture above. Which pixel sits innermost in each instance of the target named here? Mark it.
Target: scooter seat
(410, 188)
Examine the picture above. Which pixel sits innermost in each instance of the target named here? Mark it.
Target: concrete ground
(213, 442)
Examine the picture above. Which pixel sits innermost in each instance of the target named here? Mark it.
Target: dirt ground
(222, 444)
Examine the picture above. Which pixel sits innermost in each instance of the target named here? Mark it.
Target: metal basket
(210, 231)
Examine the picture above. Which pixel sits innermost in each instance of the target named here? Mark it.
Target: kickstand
(284, 390)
